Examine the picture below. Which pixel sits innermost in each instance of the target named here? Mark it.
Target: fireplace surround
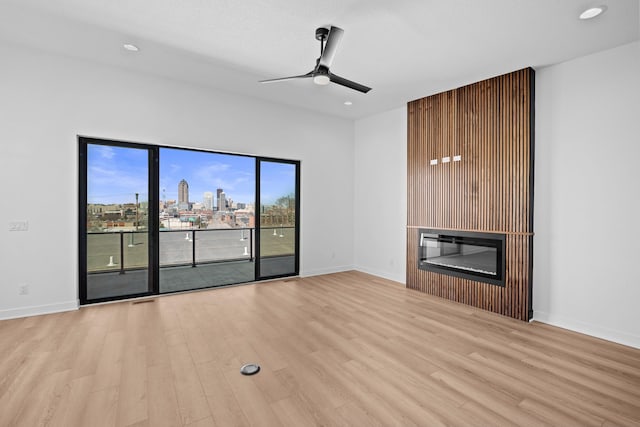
(470, 156)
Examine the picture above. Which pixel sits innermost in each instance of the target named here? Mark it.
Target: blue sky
(276, 180)
(115, 174)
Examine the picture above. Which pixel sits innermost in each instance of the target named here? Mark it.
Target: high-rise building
(218, 192)
(207, 200)
(222, 202)
(183, 192)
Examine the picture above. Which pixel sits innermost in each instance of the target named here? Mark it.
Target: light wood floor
(341, 349)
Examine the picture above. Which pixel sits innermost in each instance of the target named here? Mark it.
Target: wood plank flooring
(344, 349)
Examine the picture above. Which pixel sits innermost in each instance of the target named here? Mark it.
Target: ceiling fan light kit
(329, 39)
(321, 79)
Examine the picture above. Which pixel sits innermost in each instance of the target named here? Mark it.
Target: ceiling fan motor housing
(322, 33)
(321, 70)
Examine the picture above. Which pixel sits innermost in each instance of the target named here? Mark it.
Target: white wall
(46, 100)
(587, 195)
(381, 194)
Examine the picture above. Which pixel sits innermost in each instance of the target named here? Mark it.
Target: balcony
(117, 262)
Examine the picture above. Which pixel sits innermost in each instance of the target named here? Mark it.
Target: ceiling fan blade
(283, 79)
(348, 83)
(333, 40)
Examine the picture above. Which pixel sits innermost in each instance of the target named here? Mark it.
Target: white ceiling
(403, 49)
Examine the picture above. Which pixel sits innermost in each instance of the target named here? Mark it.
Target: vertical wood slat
(489, 123)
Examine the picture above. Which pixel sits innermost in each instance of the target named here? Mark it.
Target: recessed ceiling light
(130, 47)
(348, 103)
(592, 12)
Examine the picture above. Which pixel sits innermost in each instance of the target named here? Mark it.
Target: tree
(286, 202)
(286, 208)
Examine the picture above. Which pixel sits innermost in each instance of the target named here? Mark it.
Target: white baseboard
(383, 274)
(14, 313)
(619, 337)
(320, 271)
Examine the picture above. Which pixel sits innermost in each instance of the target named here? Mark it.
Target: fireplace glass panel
(468, 256)
(479, 259)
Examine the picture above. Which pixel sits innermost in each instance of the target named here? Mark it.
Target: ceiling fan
(321, 74)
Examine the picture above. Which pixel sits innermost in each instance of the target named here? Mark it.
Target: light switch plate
(18, 225)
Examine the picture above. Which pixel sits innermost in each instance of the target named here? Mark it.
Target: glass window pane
(117, 255)
(277, 218)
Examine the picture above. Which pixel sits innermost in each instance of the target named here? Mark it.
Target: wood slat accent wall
(490, 124)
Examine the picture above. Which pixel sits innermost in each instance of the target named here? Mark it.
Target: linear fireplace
(470, 255)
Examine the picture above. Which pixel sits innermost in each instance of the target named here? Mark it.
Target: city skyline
(115, 174)
(206, 172)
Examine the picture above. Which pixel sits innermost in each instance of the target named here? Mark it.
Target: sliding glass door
(207, 221)
(278, 247)
(115, 236)
(159, 219)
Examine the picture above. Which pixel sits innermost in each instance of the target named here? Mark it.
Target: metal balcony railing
(128, 250)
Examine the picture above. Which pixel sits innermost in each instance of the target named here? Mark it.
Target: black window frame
(154, 213)
(258, 274)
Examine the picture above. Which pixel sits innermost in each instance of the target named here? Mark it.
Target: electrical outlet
(23, 289)
(18, 225)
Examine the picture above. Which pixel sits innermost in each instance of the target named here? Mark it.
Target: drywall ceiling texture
(380, 184)
(48, 99)
(403, 49)
(587, 200)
